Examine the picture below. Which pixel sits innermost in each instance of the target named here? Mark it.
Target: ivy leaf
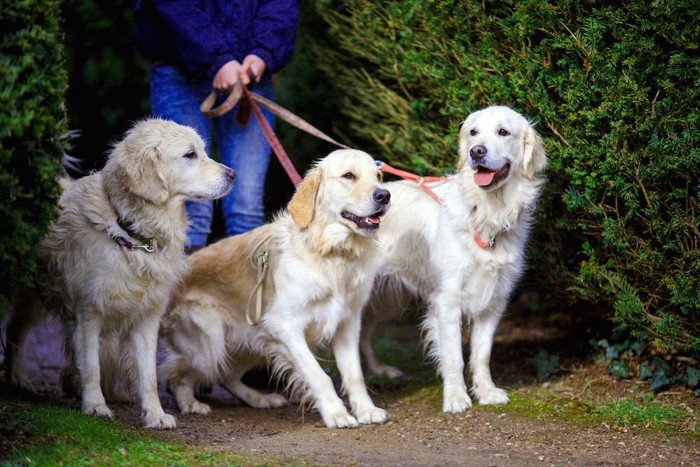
(620, 369)
(659, 380)
(637, 347)
(645, 371)
(545, 364)
(611, 353)
(661, 365)
(693, 377)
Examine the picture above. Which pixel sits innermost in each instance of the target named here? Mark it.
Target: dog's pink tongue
(372, 220)
(484, 178)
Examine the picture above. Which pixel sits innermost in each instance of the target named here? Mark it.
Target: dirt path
(418, 433)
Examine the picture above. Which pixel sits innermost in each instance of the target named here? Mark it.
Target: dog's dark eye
(349, 175)
(191, 155)
(473, 132)
(503, 132)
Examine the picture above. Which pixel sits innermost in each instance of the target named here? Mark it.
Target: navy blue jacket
(201, 36)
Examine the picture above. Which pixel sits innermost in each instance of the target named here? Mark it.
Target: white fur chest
(322, 293)
(475, 273)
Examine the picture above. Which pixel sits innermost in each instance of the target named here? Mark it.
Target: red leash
(249, 100)
(272, 139)
(422, 181)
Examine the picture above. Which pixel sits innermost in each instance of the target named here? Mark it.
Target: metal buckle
(145, 247)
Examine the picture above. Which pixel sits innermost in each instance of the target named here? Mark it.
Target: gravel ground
(418, 433)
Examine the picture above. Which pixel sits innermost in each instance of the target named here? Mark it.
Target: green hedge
(32, 127)
(613, 87)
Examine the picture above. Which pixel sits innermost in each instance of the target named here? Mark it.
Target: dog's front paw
(101, 410)
(455, 401)
(339, 419)
(491, 396)
(371, 415)
(195, 407)
(159, 421)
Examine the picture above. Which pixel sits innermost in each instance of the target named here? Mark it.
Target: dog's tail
(74, 167)
(390, 297)
(25, 314)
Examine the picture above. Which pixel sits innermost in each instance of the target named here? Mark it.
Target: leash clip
(145, 247)
(148, 248)
(264, 258)
(253, 317)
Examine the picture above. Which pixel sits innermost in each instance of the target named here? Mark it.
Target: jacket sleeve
(274, 32)
(193, 36)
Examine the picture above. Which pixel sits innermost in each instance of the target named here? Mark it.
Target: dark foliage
(613, 88)
(33, 132)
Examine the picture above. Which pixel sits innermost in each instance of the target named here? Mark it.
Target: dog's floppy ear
(534, 156)
(144, 168)
(463, 143)
(302, 207)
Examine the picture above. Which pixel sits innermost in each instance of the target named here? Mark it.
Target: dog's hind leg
(25, 314)
(143, 340)
(197, 352)
(233, 384)
(182, 386)
(374, 365)
(389, 300)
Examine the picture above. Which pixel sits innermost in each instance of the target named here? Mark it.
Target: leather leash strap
(422, 181)
(274, 142)
(251, 99)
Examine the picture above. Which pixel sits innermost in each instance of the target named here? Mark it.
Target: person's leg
(245, 149)
(177, 98)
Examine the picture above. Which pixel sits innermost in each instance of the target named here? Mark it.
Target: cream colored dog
(464, 254)
(109, 262)
(322, 257)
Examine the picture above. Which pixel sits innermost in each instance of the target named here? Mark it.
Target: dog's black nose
(230, 173)
(478, 152)
(381, 196)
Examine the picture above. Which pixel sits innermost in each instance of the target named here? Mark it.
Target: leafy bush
(32, 124)
(109, 79)
(612, 87)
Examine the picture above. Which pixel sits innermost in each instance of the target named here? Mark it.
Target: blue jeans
(244, 148)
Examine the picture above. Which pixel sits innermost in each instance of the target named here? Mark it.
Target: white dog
(109, 262)
(279, 291)
(462, 254)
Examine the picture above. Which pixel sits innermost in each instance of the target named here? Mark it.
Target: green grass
(47, 434)
(649, 416)
(541, 404)
(421, 385)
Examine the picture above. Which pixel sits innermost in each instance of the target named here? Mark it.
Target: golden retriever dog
(463, 254)
(110, 260)
(276, 293)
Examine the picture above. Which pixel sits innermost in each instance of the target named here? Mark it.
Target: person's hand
(228, 76)
(253, 68)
